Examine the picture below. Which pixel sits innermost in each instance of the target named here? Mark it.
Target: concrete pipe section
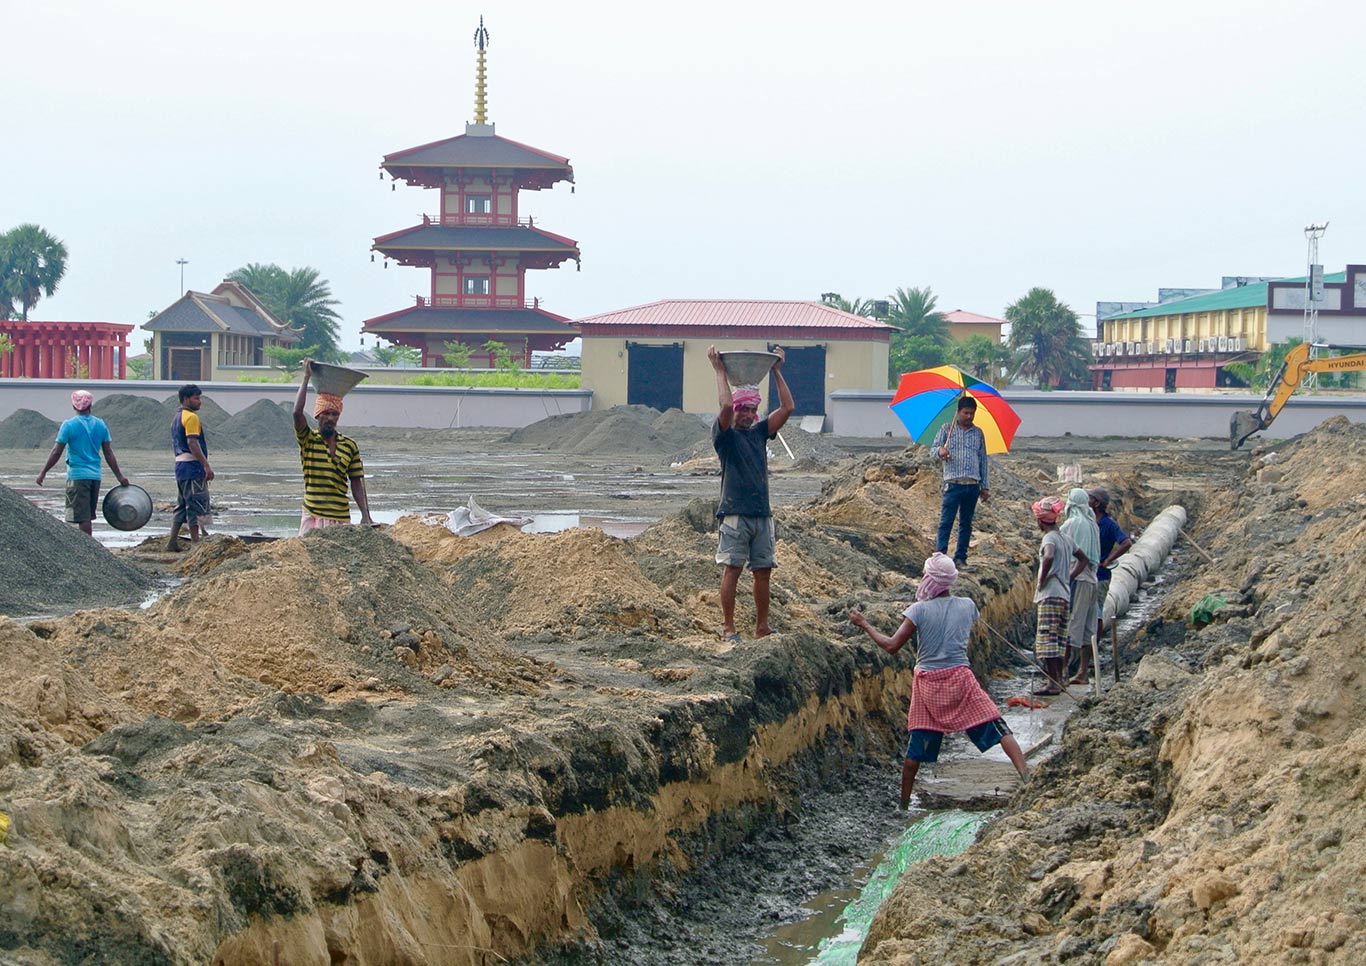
(1142, 561)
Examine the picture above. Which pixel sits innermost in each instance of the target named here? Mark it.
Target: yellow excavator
(1297, 365)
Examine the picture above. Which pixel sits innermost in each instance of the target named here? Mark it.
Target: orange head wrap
(325, 402)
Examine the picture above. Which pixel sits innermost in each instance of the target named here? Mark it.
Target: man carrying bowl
(740, 439)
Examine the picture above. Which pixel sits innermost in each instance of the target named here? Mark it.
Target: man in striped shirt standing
(330, 460)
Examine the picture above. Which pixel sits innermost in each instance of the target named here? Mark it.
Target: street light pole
(182, 262)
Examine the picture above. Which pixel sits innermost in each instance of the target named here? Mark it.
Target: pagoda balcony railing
(468, 220)
(476, 302)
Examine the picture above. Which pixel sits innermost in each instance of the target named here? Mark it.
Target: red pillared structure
(65, 350)
(478, 246)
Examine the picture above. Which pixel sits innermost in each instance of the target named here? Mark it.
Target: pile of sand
(136, 422)
(618, 430)
(26, 429)
(48, 565)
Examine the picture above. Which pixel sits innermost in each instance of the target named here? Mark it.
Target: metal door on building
(804, 370)
(654, 375)
(184, 365)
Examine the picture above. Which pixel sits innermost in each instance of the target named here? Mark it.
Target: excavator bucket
(1241, 426)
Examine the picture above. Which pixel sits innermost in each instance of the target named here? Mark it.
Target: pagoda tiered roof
(427, 164)
(512, 321)
(416, 245)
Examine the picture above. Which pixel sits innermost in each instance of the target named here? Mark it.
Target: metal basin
(747, 368)
(335, 380)
(127, 507)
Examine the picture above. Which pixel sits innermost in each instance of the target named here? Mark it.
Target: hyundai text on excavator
(1297, 365)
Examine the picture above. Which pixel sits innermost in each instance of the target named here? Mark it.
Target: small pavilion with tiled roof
(656, 354)
(478, 246)
(204, 335)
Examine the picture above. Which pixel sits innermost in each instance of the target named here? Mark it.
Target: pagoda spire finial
(481, 41)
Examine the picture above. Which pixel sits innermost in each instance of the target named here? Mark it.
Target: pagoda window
(476, 285)
(478, 204)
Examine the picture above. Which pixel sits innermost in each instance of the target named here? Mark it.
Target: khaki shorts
(746, 540)
(82, 496)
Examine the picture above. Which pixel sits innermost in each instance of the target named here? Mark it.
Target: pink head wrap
(1047, 509)
(940, 573)
(325, 402)
(745, 396)
(82, 399)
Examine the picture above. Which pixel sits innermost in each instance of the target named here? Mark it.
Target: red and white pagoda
(478, 245)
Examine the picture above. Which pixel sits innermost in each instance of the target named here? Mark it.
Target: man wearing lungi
(1053, 593)
(945, 695)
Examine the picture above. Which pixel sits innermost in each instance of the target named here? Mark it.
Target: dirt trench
(1209, 810)
(366, 747)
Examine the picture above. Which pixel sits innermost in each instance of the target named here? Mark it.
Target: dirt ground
(406, 746)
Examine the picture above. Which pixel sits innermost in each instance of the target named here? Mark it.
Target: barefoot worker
(1053, 593)
(192, 470)
(330, 461)
(945, 695)
(740, 439)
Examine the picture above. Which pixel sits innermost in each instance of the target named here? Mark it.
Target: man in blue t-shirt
(83, 437)
(1114, 543)
(740, 439)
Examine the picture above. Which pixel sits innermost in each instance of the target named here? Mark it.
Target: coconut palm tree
(298, 297)
(913, 311)
(982, 357)
(32, 263)
(1047, 339)
(854, 306)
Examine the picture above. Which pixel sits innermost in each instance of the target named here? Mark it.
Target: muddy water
(261, 492)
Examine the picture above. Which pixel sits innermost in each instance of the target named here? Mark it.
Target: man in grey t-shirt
(1052, 592)
(945, 695)
(740, 439)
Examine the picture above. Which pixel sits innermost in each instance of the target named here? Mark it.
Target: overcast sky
(721, 150)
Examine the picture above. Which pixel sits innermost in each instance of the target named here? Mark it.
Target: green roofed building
(1186, 343)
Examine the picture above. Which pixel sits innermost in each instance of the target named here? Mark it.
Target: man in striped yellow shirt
(330, 460)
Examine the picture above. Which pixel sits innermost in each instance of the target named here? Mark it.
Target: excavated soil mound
(620, 429)
(48, 565)
(26, 429)
(1209, 809)
(366, 745)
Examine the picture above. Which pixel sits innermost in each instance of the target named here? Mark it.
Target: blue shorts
(924, 745)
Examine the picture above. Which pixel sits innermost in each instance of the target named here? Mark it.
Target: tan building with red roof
(963, 324)
(656, 354)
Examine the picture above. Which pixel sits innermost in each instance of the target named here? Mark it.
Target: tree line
(1045, 346)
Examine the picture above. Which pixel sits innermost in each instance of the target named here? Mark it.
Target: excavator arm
(1297, 365)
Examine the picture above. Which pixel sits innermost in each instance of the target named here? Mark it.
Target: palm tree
(1046, 336)
(981, 356)
(299, 298)
(32, 263)
(855, 306)
(913, 312)
(923, 339)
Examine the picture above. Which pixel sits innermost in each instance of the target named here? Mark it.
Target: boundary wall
(852, 412)
(420, 407)
(866, 413)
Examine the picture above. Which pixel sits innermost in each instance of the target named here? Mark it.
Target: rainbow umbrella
(928, 398)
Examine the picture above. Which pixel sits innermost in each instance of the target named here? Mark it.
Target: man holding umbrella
(962, 448)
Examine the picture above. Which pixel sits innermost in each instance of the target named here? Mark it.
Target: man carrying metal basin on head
(740, 439)
(330, 461)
